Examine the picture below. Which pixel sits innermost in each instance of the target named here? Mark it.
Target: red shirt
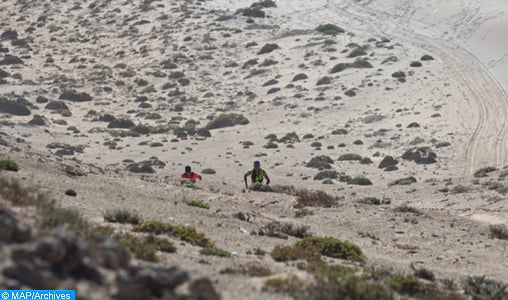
(192, 175)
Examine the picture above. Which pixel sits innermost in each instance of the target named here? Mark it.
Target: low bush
(197, 203)
(327, 174)
(426, 57)
(252, 270)
(415, 64)
(498, 231)
(213, 251)
(9, 165)
(314, 198)
(332, 247)
(360, 181)
(185, 233)
(208, 171)
(403, 181)
(349, 156)
(358, 52)
(329, 29)
(227, 120)
(122, 215)
(267, 48)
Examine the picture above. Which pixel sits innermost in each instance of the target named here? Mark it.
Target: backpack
(258, 178)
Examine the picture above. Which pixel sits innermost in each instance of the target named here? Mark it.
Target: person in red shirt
(189, 175)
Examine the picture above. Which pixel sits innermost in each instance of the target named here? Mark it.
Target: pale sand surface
(455, 98)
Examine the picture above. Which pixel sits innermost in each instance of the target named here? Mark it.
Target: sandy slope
(454, 100)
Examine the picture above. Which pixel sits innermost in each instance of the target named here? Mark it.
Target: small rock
(38, 120)
(71, 192)
(202, 289)
(157, 279)
(422, 155)
(56, 105)
(51, 250)
(413, 125)
(75, 96)
(388, 161)
(129, 288)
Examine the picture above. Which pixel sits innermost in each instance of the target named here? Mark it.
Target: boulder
(387, 162)
(56, 105)
(39, 120)
(75, 96)
(421, 155)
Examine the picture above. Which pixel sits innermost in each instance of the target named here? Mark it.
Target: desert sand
(174, 66)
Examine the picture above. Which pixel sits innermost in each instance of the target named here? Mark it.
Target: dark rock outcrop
(421, 155)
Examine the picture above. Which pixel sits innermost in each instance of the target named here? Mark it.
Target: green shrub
(415, 64)
(122, 215)
(314, 198)
(320, 162)
(362, 63)
(399, 74)
(316, 144)
(227, 120)
(252, 270)
(349, 156)
(426, 57)
(160, 244)
(282, 230)
(208, 171)
(290, 138)
(300, 76)
(340, 67)
(264, 3)
(138, 246)
(214, 251)
(403, 181)
(185, 233)
(406, 284)
(332, 247)
(329, 29)
(267, 48)
(288, 253)
(271, 145)
(360, 181)
(339, 131)
(358, 52)
(197, 203)
(255, 12)
(9, 165)
(326, 174)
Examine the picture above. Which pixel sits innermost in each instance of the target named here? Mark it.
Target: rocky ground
(367, 137)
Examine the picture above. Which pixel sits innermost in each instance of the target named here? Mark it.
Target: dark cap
(187, 169)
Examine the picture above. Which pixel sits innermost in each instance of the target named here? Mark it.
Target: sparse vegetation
(415, 64)
(208, 171)
(360, 63)
(498, 231)
(197, 203)
(326, 174)
(227, 120)
(408, 209)
(185, 233)
(252, 270)
(360, 181)
(329, 29)
(349, 156)
(267, 48)
(122, 215)
(403, 181)
(370, 200)
(426, 57)
(314, 198)
(214, 251)
(9, 165)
